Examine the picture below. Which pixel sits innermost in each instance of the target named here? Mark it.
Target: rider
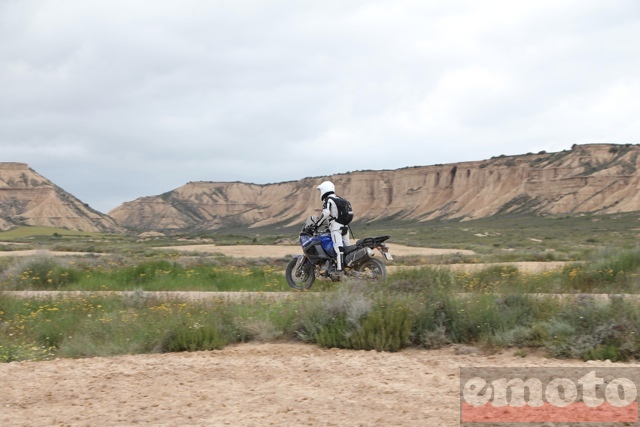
(339, 232)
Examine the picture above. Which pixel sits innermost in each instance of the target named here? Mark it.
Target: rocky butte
(27, 198)
(600, 178)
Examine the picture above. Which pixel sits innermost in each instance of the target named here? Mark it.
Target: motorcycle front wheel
(303, 278)
(373, 269)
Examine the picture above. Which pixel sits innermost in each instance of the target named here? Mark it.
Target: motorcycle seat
(370, 242)
(351, 248)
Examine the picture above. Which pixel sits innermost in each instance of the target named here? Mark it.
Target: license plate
(387, 256)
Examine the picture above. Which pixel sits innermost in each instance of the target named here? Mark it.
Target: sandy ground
(248, 385)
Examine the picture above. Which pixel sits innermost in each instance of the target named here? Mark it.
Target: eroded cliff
(27, 198)
(588, 178)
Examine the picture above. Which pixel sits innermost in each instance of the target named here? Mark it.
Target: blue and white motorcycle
(319, 258)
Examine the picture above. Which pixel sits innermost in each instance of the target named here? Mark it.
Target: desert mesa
(593, 178)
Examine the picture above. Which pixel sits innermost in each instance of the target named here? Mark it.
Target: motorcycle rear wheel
(373, 269)
(302, 279)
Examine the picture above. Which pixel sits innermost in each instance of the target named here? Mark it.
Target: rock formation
(27, 198)
(600, 178)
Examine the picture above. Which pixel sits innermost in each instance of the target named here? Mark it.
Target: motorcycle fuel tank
(324, 241)
(327, 245)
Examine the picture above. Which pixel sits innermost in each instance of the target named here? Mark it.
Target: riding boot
(340, 258)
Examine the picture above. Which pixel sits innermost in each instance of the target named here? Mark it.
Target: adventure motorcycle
(319, 258)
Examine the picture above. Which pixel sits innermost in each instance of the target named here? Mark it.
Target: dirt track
(247, 385)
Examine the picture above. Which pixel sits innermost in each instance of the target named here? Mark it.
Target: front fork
(301, 260)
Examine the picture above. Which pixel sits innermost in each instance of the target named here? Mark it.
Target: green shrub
(591, 329)
(16, 352)
(44, 274)
(423, 279)
(605, 352)
(385, 328)
(357, 317)
(147, 272)
(609, 270)
(519, 336)
(193, 337)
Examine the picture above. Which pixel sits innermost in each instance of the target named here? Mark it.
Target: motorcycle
(319, 258)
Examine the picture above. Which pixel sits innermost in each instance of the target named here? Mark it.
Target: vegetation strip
(264, 296)
(353, 316)
(596, 317)
(158, 295)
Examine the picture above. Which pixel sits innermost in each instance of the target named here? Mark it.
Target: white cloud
(140, 97)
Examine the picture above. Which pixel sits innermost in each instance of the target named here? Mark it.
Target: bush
(424, 279)
(355, 317)
(193, 338)
(590, 329)
(43, 274)
(617, 269)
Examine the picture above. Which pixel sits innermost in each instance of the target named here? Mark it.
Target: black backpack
(345, 211)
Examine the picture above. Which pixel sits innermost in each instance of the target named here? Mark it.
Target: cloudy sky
(118, 99)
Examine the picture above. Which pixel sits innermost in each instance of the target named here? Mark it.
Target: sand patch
(248, 385)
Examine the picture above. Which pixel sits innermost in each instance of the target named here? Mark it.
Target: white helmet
(326, 187)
